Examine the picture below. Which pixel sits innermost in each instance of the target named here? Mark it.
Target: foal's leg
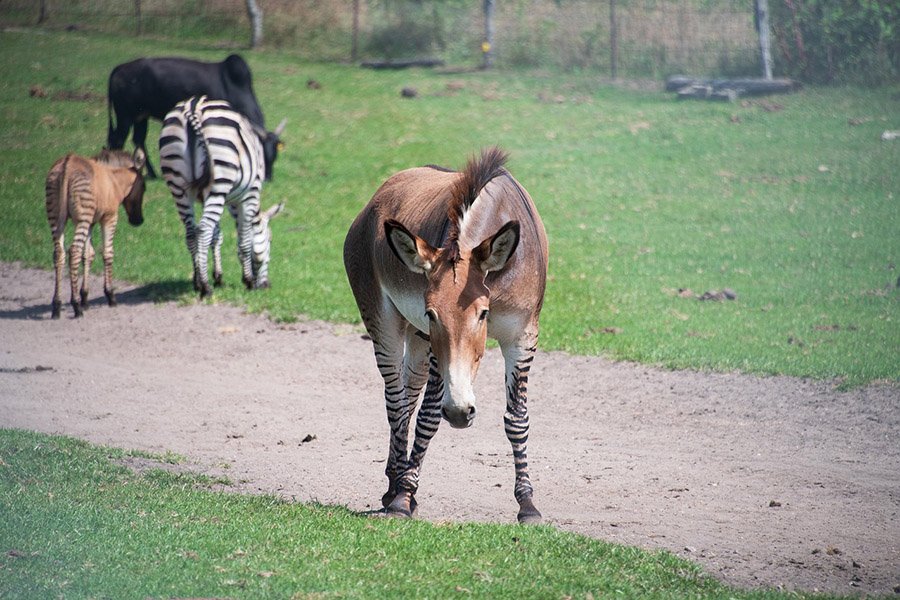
(59, 265)
(108, 229)
(88, 261)
(76, 253)
(518, 358)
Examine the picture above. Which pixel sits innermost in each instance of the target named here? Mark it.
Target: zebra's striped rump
(213, 156)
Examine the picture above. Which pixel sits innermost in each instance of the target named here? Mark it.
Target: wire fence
(633, 38)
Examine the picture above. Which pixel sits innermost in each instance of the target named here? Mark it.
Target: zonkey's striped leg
(401, 393)
(427, 423)
(518, 363)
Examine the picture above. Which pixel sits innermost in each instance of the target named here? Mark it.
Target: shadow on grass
(153, 293)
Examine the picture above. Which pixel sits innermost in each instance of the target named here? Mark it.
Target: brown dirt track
(769, 481)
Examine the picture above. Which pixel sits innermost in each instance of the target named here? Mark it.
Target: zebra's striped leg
(76, 253)
(212, 213)
(184, 202)
(59, 264)
(108, 229)
(518, 363)
(217, 256)
(243, 220)
(427, 423)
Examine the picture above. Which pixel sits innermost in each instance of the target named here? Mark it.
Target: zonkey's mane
(114, 158)
(478, 172)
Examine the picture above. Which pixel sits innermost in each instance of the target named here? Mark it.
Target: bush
(838, 41)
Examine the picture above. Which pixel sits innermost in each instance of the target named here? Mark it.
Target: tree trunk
(487, 46)
(254, 13)
(765, 46)
(42, 15)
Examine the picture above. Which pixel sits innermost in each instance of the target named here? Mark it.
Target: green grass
(75, 523)
(796, 209)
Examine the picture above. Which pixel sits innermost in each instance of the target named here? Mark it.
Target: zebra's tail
(201, 162)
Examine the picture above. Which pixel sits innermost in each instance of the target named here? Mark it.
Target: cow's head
(272, 144)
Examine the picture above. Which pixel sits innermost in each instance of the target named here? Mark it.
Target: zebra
(211, 154)
(88, 191)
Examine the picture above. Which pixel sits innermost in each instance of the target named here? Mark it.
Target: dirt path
(764, 481)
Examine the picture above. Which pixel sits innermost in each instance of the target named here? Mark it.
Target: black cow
(150, 87)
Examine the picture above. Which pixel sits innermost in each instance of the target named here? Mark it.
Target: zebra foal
(212, 155)
(89, 191)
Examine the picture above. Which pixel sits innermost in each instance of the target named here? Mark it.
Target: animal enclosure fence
(634, 38)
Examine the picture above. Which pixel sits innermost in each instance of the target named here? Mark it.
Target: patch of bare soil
(764, 481)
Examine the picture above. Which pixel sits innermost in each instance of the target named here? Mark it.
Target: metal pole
(613, 41)
(762, 26)
(137, 15)
(354, 40)
(487, 46)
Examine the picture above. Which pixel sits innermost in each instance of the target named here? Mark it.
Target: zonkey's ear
(493, 252)
(414, 252)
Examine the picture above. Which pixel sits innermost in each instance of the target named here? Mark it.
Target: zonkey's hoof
(403, 506)
(528, 514)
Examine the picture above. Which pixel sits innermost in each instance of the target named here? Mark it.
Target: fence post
(354, 40)
(487, 46)
(613, 41)
(762, 27)
(137, 15)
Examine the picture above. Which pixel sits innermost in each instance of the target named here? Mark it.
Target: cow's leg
(140, 138)
(415, 374)
(59, 265)
(108, 229)
(76, 252)
(115, 137)
(427, 423)
(212, 214)
(518, 357)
